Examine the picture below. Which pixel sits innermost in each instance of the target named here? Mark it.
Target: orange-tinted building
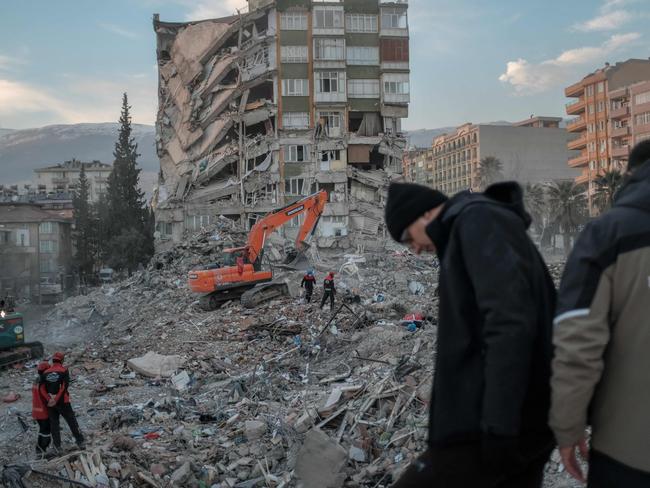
(612, 113)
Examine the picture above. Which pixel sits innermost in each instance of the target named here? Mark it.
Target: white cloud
(120, 31)
(528, 77)
(608, 21)
(16, 97)
(10, 63)
(212, 9)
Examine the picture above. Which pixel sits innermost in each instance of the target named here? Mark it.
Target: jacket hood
(508, 195)
(636, 191)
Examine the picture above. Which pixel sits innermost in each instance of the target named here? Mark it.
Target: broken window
(293, 21)
(329, 49)
(330, 82)
(331, 123)
(361, 23)
(296, 154)
(294, 54)
(363, 88)
(295, 88)
(295, 120)
(328, 157)
(393, 18)
(295, 187)
(197, 222)
(363, 55)
(328, 18)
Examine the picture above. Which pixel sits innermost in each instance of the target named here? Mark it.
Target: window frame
(295, 87)
(293, 21)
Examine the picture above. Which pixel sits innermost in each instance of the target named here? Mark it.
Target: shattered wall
(261, 108)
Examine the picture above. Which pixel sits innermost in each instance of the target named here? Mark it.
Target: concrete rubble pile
(283, 395)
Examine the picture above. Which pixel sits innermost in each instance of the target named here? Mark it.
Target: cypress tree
(83, 234)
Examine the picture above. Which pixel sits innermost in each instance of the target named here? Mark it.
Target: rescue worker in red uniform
(56, 382)
(39, 410)
(308, 282)
(329, 290)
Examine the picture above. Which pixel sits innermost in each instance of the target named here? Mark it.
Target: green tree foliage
(606, 187)
(84, 233)
(568, 209)
(128, 218)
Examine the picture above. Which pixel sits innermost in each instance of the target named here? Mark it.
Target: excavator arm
(313, 206)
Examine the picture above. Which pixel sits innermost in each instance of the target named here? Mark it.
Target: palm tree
(607, 185)
(489, 171)
(568, 205)
(535, 202)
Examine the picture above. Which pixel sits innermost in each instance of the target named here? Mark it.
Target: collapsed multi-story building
(294, 96)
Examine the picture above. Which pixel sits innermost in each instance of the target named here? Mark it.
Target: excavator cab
(13, 348)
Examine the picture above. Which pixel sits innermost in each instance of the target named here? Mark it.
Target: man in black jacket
(490, 399)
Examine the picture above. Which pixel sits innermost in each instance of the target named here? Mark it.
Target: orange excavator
(242, 275)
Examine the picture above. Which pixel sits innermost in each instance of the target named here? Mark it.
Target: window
(298, 120)
(603, 146)
(329, 49)
(293, 21)
(361, 23)
(22, 237)
(294, 54)
(603, 163)
(363, 55)
(47, 246)
(165, 228)
(590, 90)
(47, 265)
(643, 118)
(601, 106)
(591, 108)
(601, 125)
(642, 137)
(328, 18)
(327, 157)
(396, 87)
(296, 154)
(592, 165)
(197, 222)
(642, 98)
(601, 87)
(331, 122)
(363, 88)
(330, 82)
(393, 18)
(295, 186)
(591, 128)
(46, 228)
(295, 88)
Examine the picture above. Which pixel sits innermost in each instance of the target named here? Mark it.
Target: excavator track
(263, 293)
(19, 354)
(213, 301)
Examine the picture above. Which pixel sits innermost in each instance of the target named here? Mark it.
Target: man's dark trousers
(44, 436)
(325, 296)
(605, 472)
(64, 410)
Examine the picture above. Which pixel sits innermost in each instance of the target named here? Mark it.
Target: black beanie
(406, 203)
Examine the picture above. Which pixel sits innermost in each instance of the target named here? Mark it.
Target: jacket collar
(635, 192)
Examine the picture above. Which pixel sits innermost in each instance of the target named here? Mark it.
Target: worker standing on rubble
(56, 383)
(328, 290)
(308, 282)
(39, 409)
(601, 367)
(489, 406)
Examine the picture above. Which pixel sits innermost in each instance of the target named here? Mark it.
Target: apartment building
(35, 249)
(612, 113)
(530, 151)
(418, 166)
(258, 110)
(63, 178)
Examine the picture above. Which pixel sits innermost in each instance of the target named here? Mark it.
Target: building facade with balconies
(612, 113)
(64, 178)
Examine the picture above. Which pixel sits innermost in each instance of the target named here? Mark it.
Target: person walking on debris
(39, 409)
(328, 290)
(56, 383)
(602, 339)
(491, 393)
(308, 282)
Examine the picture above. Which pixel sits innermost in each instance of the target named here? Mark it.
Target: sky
(68, 61)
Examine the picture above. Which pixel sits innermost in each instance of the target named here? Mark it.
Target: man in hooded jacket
(490, 398)
(602, 340)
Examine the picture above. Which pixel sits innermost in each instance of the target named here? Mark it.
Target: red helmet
(58, 357)
(42, 366)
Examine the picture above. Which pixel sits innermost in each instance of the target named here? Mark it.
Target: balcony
(579, 160)
(101, 179)
(387, 2)
(618, 94)
(619, 112)
(60, 181)
(576, 107)
(583, 178)
(579, 143)
(620, 131)
(575, 90)
(621, 152)
(576, 124)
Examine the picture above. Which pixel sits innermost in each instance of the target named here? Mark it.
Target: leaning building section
(262, 108)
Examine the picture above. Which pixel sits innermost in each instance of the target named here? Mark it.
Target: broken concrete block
(181, 475)
(357, 454)
(155, 365)
(321, 461)
(254, 429)
(181, 381)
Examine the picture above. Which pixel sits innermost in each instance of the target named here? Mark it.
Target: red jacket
(39, 403)
(56, 381)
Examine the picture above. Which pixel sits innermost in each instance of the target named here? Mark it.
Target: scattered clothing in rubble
(328, 290)
(601, 336)
(308, 282)
(491, 391)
